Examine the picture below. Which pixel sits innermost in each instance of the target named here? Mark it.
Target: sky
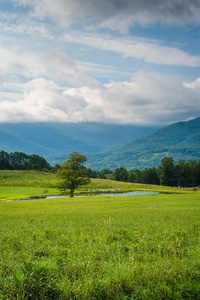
(106, 61)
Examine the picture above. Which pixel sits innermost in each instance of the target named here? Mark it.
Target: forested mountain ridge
(179, 140)
(55, 141)
(64, 138)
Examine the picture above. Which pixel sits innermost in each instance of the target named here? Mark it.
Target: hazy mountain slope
(40, 140)
(180, 140)
(63, 138)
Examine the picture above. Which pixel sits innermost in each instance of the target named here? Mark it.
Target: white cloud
(193, 85)
(116, 14)
(16, 62)
(59, 66)
(151, 52)
(55, 65)
(24, 25)
(148, 99)
(39, 82)
(43, 101)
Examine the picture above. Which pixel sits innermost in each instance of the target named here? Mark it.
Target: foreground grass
(133, 247)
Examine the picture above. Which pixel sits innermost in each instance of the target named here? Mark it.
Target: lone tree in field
(72, 174)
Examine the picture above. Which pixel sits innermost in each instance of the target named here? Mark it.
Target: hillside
(180, 141)
(63, 138)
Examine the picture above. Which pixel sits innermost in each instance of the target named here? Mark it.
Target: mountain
(48, 139)
(180, 141)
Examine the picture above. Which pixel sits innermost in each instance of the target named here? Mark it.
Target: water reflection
(134, 193)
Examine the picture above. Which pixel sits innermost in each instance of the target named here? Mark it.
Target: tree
(91, 173)
(55, 168)
(37, 162)
(18, 160)
(138, 177)
(152, 176)
(72, 174)
(103, 173)
(183, 173)
(131, 176)
(5, 161)
(120, 174)
(168, 172)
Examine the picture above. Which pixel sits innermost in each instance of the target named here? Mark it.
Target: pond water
(135, 193)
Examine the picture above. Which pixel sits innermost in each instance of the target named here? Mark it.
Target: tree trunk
(71, 193)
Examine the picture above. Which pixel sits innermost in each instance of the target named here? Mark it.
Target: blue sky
(109, 61)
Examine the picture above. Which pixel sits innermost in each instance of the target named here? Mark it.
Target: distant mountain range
(180, 141)
(47, 139)
(106, 146)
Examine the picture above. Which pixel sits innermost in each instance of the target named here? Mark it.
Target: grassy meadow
(20, 184)
(119, 247)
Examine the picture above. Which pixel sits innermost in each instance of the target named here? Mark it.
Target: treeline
(183, 174)
(22, 161)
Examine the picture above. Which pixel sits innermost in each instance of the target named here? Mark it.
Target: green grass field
(121, 247)
(21, 184)
(132, 247)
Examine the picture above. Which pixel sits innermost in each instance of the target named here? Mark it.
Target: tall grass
(133, 247)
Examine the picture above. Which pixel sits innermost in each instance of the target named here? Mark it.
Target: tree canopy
(22, 161)
(72, 174)
(168, 172)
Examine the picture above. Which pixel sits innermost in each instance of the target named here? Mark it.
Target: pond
(134, 193)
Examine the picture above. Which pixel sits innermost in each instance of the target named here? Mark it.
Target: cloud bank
(54, 52)
(117, 14)
(148, 99)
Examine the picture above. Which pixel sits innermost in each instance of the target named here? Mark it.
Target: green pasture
(27, 178)
(130, 247)
(20, 184)
(18, 192)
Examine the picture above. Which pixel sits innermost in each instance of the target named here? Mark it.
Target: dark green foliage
(188, 173)
(151, 176)
(22, 161)
(182, 174)
(19, 161)
(91, 173)
(168, 173)
(103, 174)
(4, 161)
(55, 168)
(120, 174)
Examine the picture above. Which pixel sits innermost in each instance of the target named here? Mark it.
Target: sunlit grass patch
(18, 192)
